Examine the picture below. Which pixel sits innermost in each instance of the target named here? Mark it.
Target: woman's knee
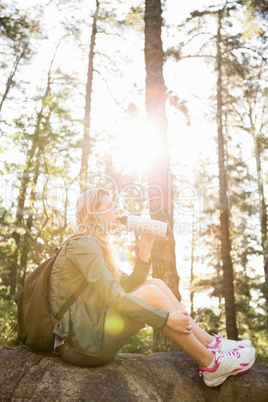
(155, 282)
(150, 293)
(164, 289)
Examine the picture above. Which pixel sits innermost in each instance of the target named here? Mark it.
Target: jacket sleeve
(87, 256)
(138, 276)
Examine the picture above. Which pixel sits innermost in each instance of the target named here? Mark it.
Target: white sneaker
(228, 363)
(223, 344)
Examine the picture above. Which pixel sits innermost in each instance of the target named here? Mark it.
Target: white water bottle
(138, 224)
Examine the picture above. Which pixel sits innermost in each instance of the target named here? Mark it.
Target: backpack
(35, 321)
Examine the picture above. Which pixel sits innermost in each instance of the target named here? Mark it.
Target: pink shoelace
(227, 354)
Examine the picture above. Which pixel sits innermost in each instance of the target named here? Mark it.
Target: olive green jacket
(82, 325)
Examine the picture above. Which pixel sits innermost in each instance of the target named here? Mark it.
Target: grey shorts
(112, 341)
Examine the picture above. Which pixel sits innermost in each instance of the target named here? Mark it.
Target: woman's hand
(146, 240)
(179, 321)
(146, 244)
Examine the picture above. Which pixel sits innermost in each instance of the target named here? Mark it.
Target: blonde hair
(87, 222)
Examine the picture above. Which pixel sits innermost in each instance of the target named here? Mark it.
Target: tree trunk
(227, 265)
(15, 266)
(86, 143)
(25, 181)
(263, 210)
(160, 186)
(28, 238)
(30, 170)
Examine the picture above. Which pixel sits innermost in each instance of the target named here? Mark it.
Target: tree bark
(15, 266)
(263, 209)
(227, 265)
(86, 142)
(160, 186)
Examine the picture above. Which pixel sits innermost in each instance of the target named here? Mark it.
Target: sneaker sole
(218, 381)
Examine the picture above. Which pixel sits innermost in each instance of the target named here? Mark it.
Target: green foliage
(253, 325)
(141, 342)
(207, 319)
(8, 322)
(135, 18)
(16, 25)
(260, 341)
(257, 7)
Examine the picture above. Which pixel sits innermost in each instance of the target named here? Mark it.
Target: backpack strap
(69, 302)
(78, 291)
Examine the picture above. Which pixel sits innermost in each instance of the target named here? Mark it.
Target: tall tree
(249, 113)
(86, 142)
(42, 138)
(221, 47)
(160, 186)
(227, 264)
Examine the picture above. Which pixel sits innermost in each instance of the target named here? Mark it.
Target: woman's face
(107, 214)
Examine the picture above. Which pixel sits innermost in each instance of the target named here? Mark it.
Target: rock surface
(30, 376)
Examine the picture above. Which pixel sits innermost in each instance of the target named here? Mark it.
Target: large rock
(29, 376)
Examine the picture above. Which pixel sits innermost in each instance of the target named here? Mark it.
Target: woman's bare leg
(187, 342)
(199, 333)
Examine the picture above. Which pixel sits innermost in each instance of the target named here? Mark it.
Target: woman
(114, 306)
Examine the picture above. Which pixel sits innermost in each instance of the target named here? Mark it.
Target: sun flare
(136, 146)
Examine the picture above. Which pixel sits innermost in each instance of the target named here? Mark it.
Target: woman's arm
(142, 266)
(86, 254)
(138, 276)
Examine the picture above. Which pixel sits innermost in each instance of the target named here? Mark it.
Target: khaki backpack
(35, 321)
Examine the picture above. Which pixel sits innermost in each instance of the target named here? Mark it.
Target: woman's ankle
(212, 364)
(208, 361)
